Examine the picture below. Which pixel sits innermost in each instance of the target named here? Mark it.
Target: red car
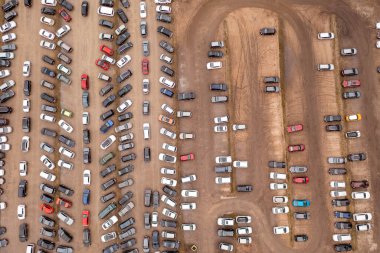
(145, 66)
(84, 81)
(294, 128)
(296, 148)
(47, 208)
(350, 83)
(64, 15)
(300, 180)
(187, 157)
(85, 217)
(63, 202)
(106, 50)
(103, 64)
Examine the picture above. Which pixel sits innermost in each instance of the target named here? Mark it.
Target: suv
(23, 232)
(165, 31)
(105, 172)
(107, 210)
(166, 46)
(108, 184)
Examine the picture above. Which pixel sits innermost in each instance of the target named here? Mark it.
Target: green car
(106, 158)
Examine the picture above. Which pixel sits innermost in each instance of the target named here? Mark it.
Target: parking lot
(306, 96)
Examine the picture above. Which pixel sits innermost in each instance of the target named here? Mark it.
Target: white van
(30, 248)
(146, 128)
(105, 11)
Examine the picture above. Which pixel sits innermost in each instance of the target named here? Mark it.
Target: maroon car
(64, 15)
(359, 184)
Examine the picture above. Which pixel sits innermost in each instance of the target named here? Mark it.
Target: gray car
(145, 46)
(64, 79)
(64, 249)
(85, 99)
(46, 147)
(127, 233)
(298, 169)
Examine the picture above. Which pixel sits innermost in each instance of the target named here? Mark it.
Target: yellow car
(67, 113)
(354, 117)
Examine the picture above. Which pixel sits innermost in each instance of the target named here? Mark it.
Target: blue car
(344, 215)
(106, 126)
(86, 197)
(301, 202)
(167, 92)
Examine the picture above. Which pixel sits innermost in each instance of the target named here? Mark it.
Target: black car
(48, 132)
(146, 154)
(123, 17)
(165, 31)
(6, 96)
(124, 90)
(271, 79)
(48, 72)
(168, 224)
(337, 171)
(124, 76)
(66, 4)
(218, 86)
(48, 11)
(215, 54)
(342, 247)
(10, 5)
(46, 244)
(103, 91)
(108, 184)
(46, 198)
(334, 128)
(244, 188)
(84, 8)
(86, 136)
(167, 92)
(105, 172)
(170, 191)
(26, 124)
(5, 63)
(28, 3)
(127, 169)
(125, 3)
(109, 100)
(22, 189)
(143, 28)
(5, 109)
(343, 225)
(163, 18)
(108, 3)
(351, 94)
(156, 239)
(3, 230)
(4, 122)
(106, 115)
(340, 202)
(123, 200)
(186, 96)
(124, 47)
(48, 60)
(167, 70)
(332, 118)
(66, 140)
(23, 232)
(300, 238)
(107, 197)
(274, 164)
(64, 235)
(27, 87)
(129, 157)
(46, 221)
(65, 190)
(166, 46)
(267, 31)
(122, 38)
(356, 157)
(106, 23)
(86, 155)
(125, 116)
(10, 15)
(350, 72)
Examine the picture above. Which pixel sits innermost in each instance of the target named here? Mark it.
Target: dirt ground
(306, 96)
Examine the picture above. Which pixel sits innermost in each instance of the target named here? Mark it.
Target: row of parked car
(242, 230)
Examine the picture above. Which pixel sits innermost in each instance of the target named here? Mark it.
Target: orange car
(47, 208)
(63, 202)
(85, 217)
(166, 119)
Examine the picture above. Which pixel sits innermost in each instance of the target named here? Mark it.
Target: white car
(108, 237)
(21, 212)
(47, 21)
(49, 2)
(168, 171)
(277, 176)
(240, 164)
(280, 209)
(166, 59)
(46, 34)
(222, 180)
(26, 68)
(108, 59)
(341, 237)
(2, 172)
(47, 44)
(86, 177)
(363, 227)
(168, 200)
(64, 69)
(223, 159)
(65, 165)
(188, 206)
(245, 240)
(25, 144)
(169, 147)
(85, 118)
(3, 205)
(181, 114)
(280, 199)
(189, 227)
(167, 108)
(337, 184)
(378, 44)
(220, 129)
(336, 194)
(105, 11)
(8, 26)
(154, 219)
(163, 9)
(226, 246)
(120, 29)
(189, 193)
(168, 234)
(145, 86)
(281, 230)
(362, 216)
(168, 181)
(276, 186)
(7, 85)
(146, 130)
(6, 130)
(3, 139)
(4, 73)
(244, 231)
(110, 222)
(123, 60)
(108, 142)
(5, 146)
(66, 152)
(237, 127)
(326, 36)
(46, 117)
(142, 10)
(163, 1)
(169, 213)
(167, 158)
(23, 168)
(225, 221)
(360, 195)
(62, 31)
(222, 119)
(168, 133)
(188, 179)
(186, 136)
(65, 126)
(8, 37)
(48, 176)
(214, 65)
(47, 162)
(26, 105)
(124, 106)
(166, 82)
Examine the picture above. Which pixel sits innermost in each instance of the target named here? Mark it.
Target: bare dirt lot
(306, 96)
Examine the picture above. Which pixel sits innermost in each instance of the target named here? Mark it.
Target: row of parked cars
(243, 231)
